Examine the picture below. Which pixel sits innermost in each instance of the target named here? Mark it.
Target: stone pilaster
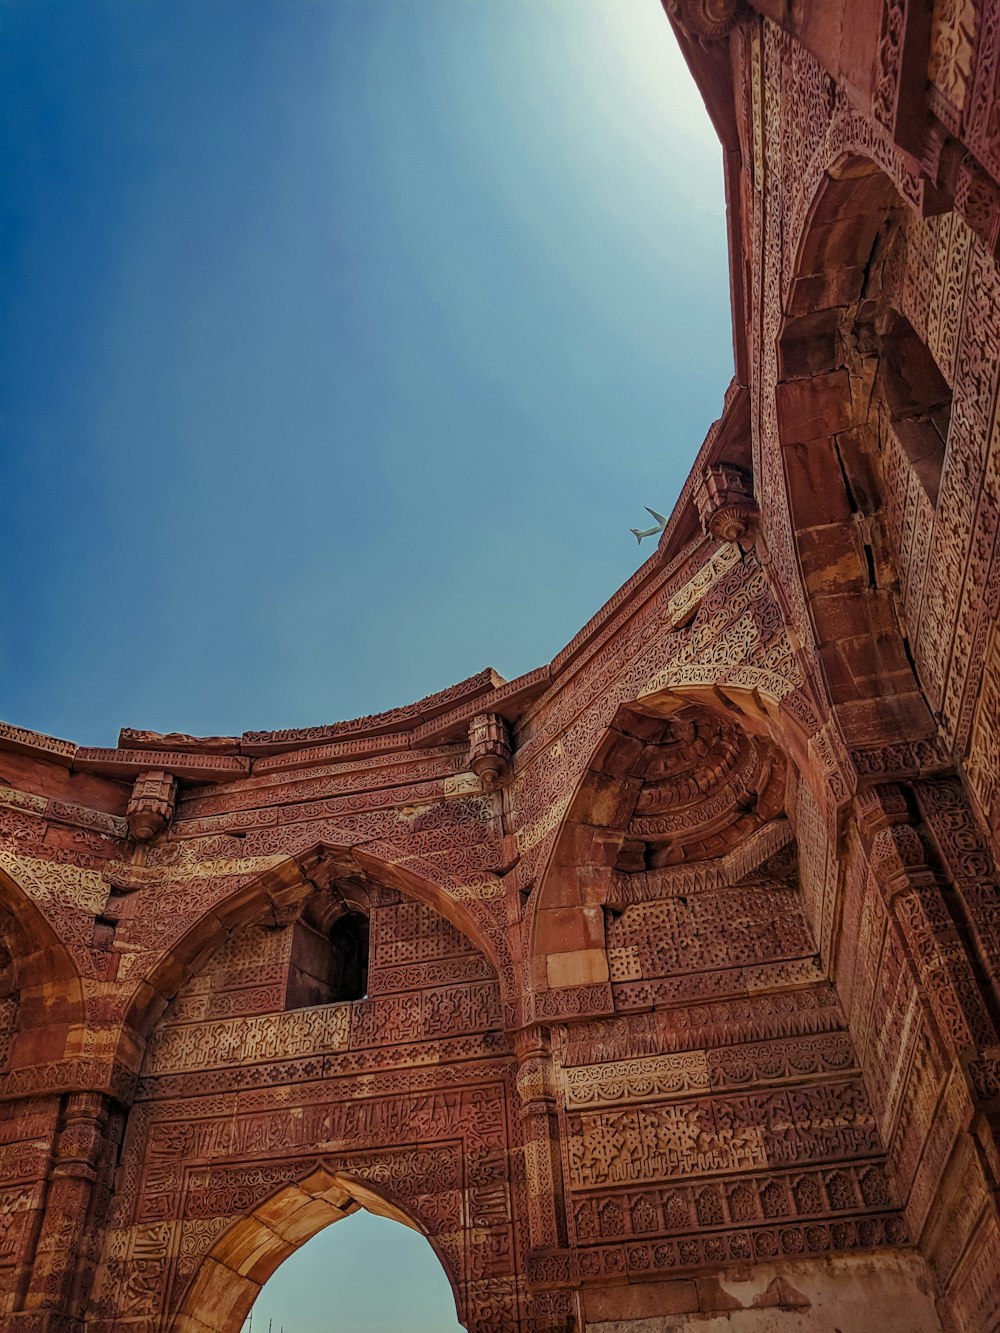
(63, 1257)
(540, 1129)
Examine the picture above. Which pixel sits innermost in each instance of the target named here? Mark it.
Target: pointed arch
(47, 984)
(280, 890)
(849, 365)
(746, 735)
(231, 1275)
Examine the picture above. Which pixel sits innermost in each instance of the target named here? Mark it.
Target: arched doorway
(251, 1249)
(370, 1273)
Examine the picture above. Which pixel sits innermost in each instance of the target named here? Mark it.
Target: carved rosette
(490, 749)
(725, 502)
(711, 20)
(151, 805)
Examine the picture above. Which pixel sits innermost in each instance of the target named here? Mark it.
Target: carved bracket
(490, 749)
(151, 805)
(725, 502)
(710, 20)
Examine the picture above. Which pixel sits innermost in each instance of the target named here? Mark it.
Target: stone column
(540, 1130)
(954, 1191)
(66, 1252)
(552, 1303)
(953, 995)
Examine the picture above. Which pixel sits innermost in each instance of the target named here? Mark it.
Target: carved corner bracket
(709, 20)
(151, 805)
(726, 504)
(490, 750)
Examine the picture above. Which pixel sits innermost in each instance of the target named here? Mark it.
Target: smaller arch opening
(353, 1260)
(916, 398)
(349, 951)
(329, 955)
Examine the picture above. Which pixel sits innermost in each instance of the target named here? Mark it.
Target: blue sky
(341, 344)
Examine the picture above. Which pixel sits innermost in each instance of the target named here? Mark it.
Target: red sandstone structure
(660, 988)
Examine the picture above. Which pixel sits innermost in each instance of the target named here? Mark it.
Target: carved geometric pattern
(683, 951)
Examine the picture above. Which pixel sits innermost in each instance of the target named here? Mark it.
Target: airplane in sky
(661, 523)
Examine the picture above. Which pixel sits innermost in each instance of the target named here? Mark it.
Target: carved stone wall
(404, 1091)
(681, 986)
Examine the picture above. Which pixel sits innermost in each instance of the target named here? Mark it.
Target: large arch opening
(269, 1106)
(231, 1276)
(371, 1273)
(863, 416)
